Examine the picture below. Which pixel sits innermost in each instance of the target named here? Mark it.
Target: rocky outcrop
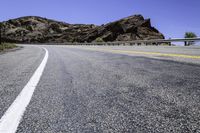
(32, 29)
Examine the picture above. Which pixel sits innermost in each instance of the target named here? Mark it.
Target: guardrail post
(185, 43)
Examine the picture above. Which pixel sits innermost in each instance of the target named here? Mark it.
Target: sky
(171, 17)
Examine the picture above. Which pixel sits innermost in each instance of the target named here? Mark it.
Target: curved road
(88, 90)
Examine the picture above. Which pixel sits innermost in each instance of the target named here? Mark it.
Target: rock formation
(32, 29)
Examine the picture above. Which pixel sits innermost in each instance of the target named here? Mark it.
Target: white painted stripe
(11, 119)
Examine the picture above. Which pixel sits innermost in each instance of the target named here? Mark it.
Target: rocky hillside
(32, 29)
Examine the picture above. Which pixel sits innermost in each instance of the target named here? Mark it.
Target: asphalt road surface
(89, 89)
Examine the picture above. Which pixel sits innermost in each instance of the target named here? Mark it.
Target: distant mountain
(33, 29)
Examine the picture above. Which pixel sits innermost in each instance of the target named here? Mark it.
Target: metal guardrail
(187, 42)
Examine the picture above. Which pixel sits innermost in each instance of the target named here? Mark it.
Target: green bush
(30, 28)
(190, 35)
(99, 39)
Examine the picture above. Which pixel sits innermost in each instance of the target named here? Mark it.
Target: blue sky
(171, 17)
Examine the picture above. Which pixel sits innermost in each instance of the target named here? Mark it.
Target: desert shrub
(99, 39)
(55, 27)
(30, 28)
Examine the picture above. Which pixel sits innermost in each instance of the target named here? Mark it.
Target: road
(105, 89)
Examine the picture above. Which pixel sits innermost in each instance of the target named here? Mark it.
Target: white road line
(11, 119)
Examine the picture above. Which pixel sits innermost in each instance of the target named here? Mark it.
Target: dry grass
(5, 46)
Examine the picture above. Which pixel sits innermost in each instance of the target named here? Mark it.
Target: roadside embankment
(6, 46)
